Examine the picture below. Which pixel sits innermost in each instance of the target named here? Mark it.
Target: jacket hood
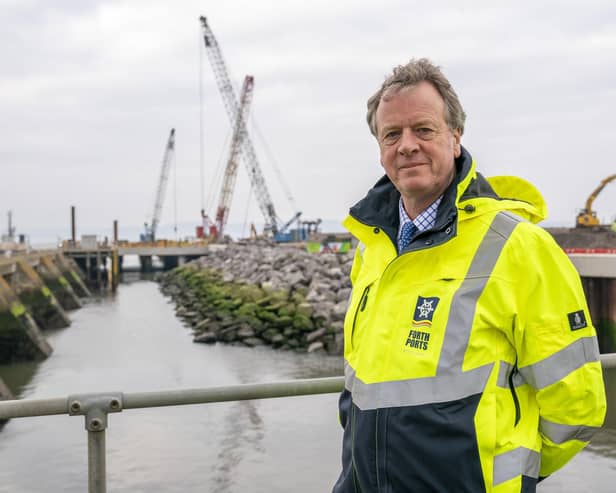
(469, 192)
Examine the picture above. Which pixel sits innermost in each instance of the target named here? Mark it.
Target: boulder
(206, 337)
(315, 346)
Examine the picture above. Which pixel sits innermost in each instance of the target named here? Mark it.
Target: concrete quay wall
(36, 292)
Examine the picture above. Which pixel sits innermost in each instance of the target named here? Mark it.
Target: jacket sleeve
(557, 350)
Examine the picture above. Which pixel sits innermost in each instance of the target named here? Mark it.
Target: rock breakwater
(263, 294)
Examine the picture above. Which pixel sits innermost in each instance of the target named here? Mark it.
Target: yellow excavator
(587, 217)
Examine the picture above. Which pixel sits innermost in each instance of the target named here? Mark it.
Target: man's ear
(457, 148)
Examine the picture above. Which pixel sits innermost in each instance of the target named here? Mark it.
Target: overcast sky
(90, 89)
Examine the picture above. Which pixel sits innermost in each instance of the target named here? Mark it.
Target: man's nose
(408, 142)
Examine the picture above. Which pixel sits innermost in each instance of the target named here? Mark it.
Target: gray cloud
(89, 91)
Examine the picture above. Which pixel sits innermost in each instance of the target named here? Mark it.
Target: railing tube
(608, 360)
(97, 469)
(139, 400)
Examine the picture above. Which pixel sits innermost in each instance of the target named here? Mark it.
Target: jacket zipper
(516, 402)
(361, 306)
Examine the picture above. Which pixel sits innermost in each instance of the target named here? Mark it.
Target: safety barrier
(604, 251)
(96, 406)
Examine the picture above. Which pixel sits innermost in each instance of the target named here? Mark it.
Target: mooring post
(73, 233)
(99, 278)
(88, 268)
(115, 270)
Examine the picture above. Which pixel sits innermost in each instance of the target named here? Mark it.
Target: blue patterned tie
(408, 230)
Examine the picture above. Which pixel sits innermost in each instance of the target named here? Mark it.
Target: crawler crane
(231, 105)
(149, 234)
(239, 134)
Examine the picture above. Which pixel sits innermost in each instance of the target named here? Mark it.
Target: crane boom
(232, 107)
(588, 217)
(162, 185)
(239, 134)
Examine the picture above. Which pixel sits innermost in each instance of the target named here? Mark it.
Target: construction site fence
(95, 407)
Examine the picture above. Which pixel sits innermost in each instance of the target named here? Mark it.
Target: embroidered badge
(424, 311)
(577, 320)
(422, 319)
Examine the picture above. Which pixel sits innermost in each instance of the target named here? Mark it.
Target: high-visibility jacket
(471, 363)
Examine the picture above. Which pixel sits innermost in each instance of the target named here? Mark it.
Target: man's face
(417, 147)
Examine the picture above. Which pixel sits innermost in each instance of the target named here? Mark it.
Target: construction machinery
(298, 234)
(228, 182)
(587, 217)
(232, 107)
(149, 235)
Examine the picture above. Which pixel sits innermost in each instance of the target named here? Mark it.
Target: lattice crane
(150, 230)
(232, 107)
(239, 136)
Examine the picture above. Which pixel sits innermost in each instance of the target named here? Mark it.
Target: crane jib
(232, 107)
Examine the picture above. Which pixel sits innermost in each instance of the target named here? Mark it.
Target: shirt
(425, 220)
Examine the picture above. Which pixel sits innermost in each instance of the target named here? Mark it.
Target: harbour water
(133, 342)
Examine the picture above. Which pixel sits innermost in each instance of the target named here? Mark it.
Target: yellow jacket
(471, 362)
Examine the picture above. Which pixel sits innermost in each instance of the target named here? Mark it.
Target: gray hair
(411, 74)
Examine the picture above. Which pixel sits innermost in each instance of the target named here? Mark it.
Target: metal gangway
(95, 407)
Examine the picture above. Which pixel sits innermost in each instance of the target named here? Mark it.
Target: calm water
(133, 342)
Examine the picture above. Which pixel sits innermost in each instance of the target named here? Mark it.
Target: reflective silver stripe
(514, 463)
(562, 433)
(361, 247)
(557, 366)
(503, 374)
(464, 303)
(415, 392)
(518, 380)
(349, 376)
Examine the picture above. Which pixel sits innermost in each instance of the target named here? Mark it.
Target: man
(471, 362)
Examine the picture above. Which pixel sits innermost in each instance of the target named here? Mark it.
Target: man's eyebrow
(389, 127)
(424, 121)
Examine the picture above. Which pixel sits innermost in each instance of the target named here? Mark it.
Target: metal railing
(96, 406)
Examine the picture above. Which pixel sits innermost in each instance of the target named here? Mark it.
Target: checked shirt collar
(422, 222)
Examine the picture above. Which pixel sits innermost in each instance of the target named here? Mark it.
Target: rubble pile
(264, 294)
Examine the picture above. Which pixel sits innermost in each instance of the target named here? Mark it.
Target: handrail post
(97, 466)
(95, 408)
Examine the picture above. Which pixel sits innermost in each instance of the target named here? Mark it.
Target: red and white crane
(233, 109)
(239, 136)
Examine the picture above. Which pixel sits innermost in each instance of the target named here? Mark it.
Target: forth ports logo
(418, 337)
(424, 311)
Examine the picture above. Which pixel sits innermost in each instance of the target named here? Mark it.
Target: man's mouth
(412, 165)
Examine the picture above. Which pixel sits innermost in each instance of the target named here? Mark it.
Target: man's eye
(391, 135)
(425, 132)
